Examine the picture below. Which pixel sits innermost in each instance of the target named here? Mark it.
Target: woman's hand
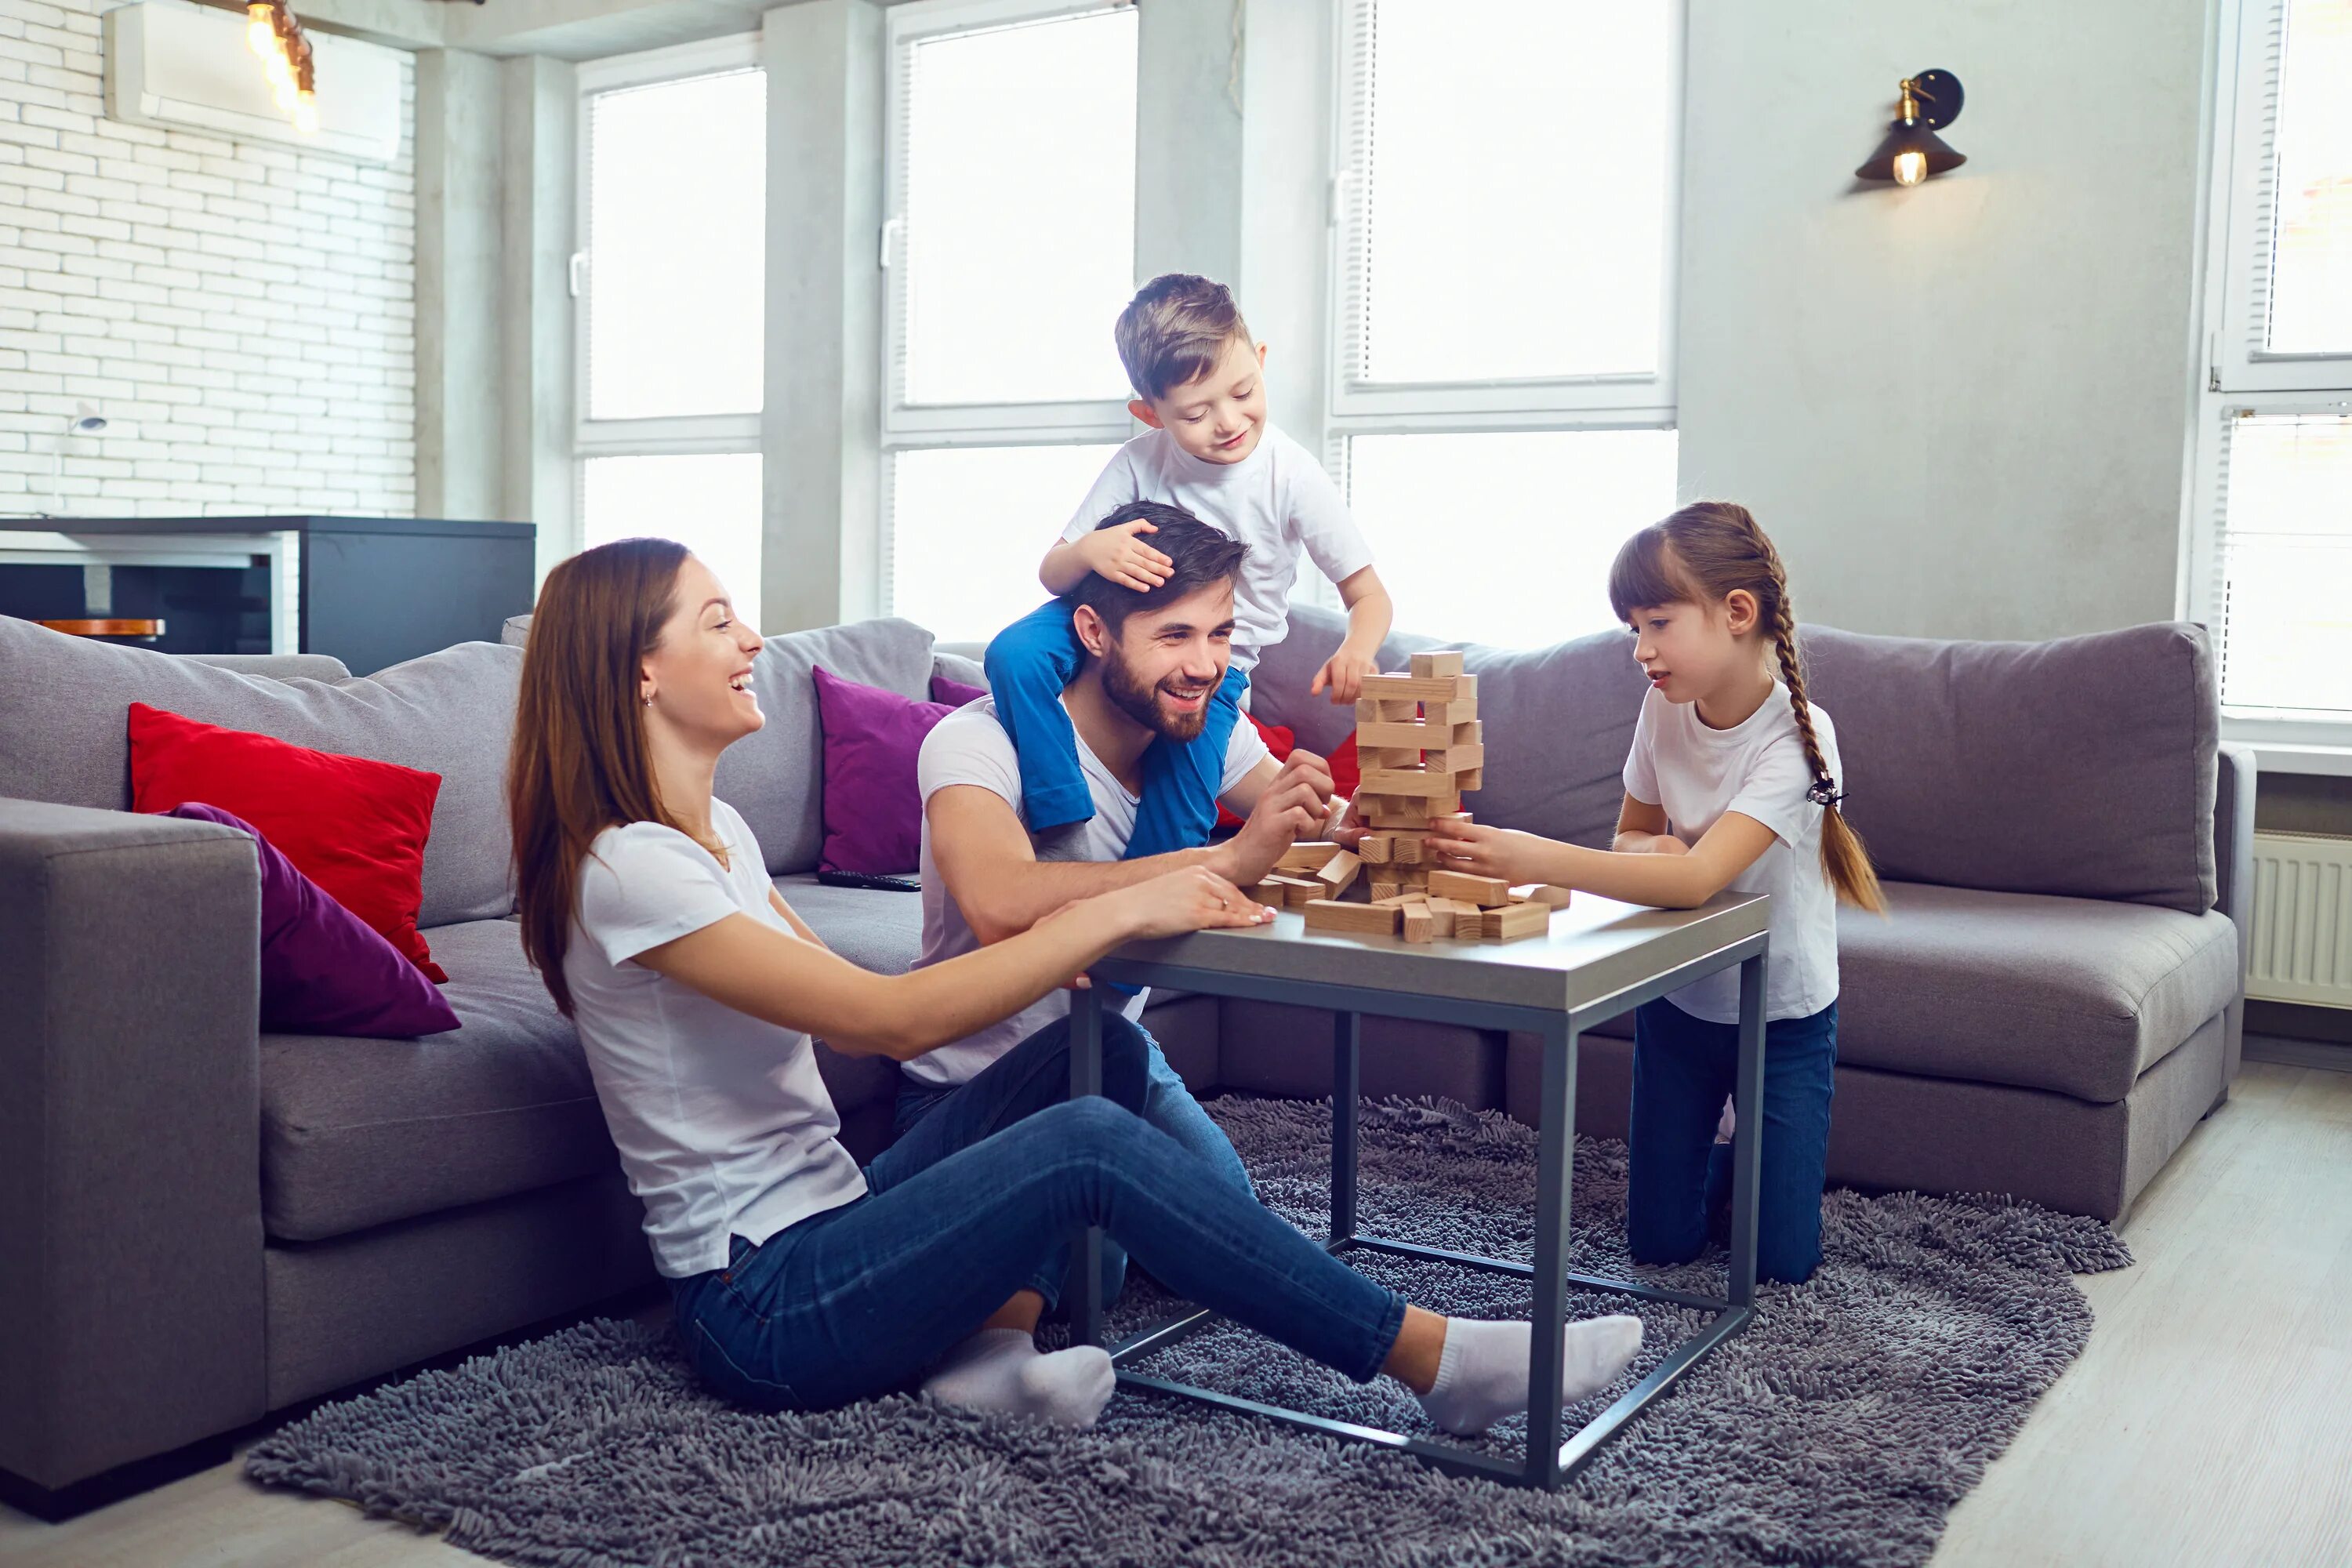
(1173, 905)
(1483, 851)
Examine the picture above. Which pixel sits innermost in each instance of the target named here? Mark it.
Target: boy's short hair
(1174, 331)
(1198, 556)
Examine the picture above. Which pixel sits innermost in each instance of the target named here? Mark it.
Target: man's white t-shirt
(1757, 769)
(1277, 500)
(724, 1126)
(969, 747)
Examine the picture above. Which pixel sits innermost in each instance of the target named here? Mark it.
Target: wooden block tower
(1421, 747)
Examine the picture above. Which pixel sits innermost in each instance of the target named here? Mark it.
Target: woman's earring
(649, 702)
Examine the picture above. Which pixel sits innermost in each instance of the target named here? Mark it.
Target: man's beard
(1142, 702)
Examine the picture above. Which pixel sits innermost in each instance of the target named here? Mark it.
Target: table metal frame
(1551, 1458)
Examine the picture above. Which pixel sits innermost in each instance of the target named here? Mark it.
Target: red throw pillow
(355, 827)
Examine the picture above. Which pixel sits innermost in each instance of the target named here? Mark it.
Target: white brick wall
(244, 315)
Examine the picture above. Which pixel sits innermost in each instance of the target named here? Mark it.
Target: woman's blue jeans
(861, 1299)
(1679, 1177)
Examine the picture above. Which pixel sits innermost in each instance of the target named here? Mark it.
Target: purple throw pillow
(955, 693)
(323, 970)
(873, 806)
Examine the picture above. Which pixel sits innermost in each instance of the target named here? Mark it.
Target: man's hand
(1292, 807)
(1484, 851)
(1117, 554)
(1345, 829)
(1344, 673)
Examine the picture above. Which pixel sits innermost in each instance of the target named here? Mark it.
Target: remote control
(865, 879)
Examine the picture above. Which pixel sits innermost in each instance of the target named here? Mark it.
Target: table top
(1596, 947)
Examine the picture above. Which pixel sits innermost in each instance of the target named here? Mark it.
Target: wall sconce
(1912, 150)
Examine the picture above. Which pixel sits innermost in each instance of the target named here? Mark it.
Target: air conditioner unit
(186, 67)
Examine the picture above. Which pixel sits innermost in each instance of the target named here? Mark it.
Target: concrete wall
(1960, 409)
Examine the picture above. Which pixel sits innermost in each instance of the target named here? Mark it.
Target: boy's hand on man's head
(1344, 673)
(1116, 554)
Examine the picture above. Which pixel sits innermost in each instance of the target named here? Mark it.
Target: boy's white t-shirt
(1757, 769)
(724, 1126)
(1277, 500)
(970, 746)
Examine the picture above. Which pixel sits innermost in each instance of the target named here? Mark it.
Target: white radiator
(2301, 944)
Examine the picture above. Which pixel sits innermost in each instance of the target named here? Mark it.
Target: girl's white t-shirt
(724, 1125)
(1757, 769)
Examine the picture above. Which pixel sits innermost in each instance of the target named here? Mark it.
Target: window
(2271, 518)
(1011, 249)
(670, 276)
(1503, 310)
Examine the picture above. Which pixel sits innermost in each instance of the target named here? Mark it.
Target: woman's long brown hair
(580, 762)
(1708, 549)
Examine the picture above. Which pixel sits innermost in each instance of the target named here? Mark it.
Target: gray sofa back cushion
(776, 777)
(1558, 720)
(2084, 766)
(65, 702)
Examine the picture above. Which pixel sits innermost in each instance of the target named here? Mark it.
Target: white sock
(1725, 1124)
(1003, 1370)
(1482, 1374)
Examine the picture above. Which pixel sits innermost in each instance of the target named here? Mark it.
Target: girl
(1732, 782)
(800, 1281)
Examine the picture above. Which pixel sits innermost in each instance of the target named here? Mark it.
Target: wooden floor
(2209, 1423)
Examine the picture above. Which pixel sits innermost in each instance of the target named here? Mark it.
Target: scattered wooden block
(1400, 900)
(1418, 923)
(1384, 892)
(1361, 919)
(1420, 689)
(1437, 664)
(1306, 857)
(1513, 922)
(1338, 873)
(1376, 850)
(1294, 890)
(1441, 916)
(1487, 892)
(1542, 893)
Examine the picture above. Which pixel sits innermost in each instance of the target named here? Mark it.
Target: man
(1153, 661)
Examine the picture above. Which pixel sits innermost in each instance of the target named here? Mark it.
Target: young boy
(1200, 383)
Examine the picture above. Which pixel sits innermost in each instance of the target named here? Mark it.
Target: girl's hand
(1648, 843)
(1483, 851)
(1117, 554)
(1175, 904)
(1344, 673)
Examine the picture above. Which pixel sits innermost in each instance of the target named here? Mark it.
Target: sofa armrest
(2234, 879)
(130, 1318)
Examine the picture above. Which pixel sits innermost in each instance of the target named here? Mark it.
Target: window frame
(906, 426)
(1612, 401)
(662, 436)
(2238, 377)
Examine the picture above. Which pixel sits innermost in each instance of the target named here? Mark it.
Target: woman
(801, 1281)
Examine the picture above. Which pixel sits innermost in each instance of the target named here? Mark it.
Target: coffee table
(1598, 959)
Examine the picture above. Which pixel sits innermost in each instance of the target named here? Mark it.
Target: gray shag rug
(1839, 1428)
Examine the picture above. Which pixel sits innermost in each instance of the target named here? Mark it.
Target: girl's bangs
(1643, 573)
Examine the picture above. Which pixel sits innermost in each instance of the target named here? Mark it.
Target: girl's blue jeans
(1680, 1177)
(1028, 665)
(861, 1299)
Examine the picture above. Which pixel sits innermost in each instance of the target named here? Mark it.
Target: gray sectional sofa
(201, 1225)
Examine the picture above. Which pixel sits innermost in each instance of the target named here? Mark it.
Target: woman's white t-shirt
(724, 1126)
(1757, 769)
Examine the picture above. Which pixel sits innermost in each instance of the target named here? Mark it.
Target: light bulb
(259, 35)
(280, 74)
(306, 114)
(1910, 168)
(285, 96)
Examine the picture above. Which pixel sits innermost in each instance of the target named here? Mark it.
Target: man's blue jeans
(1679, 1176)
(861, 1299)
(943, 1115)
(1028, 664)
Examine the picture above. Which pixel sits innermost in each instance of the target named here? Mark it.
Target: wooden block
(1454, 759)
(1420, 689)
(1399, 711)
(1266, 894)
(1437, 666)
(1396, 821)
(1513, 922)
(1375, 849)
(1441, 916)
(1418, 925)
(1449, 713)
(1454, 818)
(1294, 890)
(1542, 893)
(1411, 875)
(1337, 872)
(1404, 849)
(1382, 734)
(1412, 783)
(1387, 892)
(1400, 900)
(1470, 780)
(1487, 892)
(1387, 756)
(1367, 708)
(1306, 857)
(1362, 920)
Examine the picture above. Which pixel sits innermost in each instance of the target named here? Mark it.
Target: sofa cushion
(2084, 767)
(2079, 995)
(65, 703)
(1558, 720)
